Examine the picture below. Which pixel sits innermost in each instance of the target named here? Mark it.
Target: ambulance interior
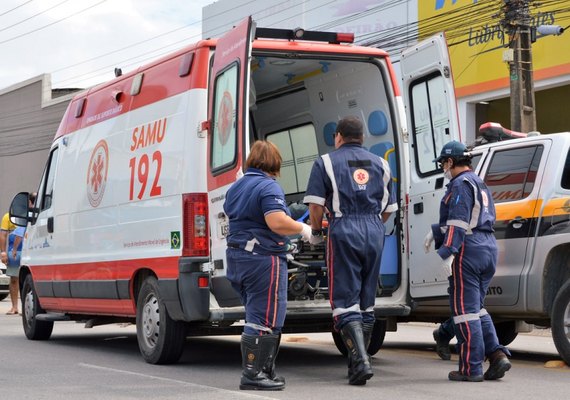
(295, 103)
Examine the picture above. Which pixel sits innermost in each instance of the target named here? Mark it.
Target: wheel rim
(151, 321)
(29, 307)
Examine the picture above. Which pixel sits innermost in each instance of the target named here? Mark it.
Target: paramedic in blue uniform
(354, 188)
(259, 222)
(465, 241)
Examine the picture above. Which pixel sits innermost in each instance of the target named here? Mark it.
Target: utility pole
(517, 22)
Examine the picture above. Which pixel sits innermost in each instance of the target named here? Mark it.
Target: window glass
(298, 148)
(566, 173)
(475, 161)
(512, 173)
(430, 122)
(224, 117)
(47, 197)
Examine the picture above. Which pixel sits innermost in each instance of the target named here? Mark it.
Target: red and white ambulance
(129, 225)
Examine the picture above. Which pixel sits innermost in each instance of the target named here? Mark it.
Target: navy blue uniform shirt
(360, 184)
(466, 208)
(248, 201)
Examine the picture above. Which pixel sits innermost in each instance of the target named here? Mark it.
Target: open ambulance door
(431, 109)
(228, 141)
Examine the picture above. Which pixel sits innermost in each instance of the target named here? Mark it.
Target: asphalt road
(104, 363)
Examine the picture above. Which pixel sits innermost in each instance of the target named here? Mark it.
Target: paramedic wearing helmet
(465, 242)
(259, 221)
(355, 187)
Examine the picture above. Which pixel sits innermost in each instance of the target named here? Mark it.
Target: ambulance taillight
(195, 213)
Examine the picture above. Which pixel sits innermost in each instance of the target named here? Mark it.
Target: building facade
(30, 113)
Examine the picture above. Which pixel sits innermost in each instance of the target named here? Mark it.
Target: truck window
(512, 173)
(430, 122)
(566, 173)
(224, 139)
(298, 147)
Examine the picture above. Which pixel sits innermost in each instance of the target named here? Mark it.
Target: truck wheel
(160, 338)
(376, 340)
(3, 296)
(34, 329)
(561, 322)
(506, 332)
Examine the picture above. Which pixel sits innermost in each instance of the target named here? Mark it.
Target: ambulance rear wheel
(561, 322)
(33, 328)
(376, 339)
(160, 338)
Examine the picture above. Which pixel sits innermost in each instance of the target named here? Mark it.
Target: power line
(15, 8)
(33, 16)
(53, 23)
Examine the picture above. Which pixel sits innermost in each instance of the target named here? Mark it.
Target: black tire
(376, 340)
(560, 322)
(3, 296)
(33, 328)
(506, 332)
(160, 338)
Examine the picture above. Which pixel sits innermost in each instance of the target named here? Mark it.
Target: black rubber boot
(255, 351)
(367, 328)
(441, 346)
(270, 344)
(499, 365)
(359, 370)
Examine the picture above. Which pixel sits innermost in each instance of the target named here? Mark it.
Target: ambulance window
(224, 125)
(47, 195)
(430, 122)
(566, 174)
(512, 173)
(298, 148)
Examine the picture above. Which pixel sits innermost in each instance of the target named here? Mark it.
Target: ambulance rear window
(298, 147)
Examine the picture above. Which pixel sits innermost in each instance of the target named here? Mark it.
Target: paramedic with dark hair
(259, 222)
(354, 187)
(465, 241)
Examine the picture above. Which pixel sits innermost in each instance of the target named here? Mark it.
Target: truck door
(431, 109)
(513, 173)
(228, 142)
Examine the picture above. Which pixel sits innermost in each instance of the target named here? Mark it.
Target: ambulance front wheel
(161, 339)
(376, 339)
(33, 328)
(561, 322)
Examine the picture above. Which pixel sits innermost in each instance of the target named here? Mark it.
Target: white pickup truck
(530, 182)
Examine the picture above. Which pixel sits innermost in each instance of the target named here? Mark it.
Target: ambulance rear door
(228, 142)
(431, 110)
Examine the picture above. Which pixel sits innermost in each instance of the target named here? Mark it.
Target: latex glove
(446, 265)
(428, 241)
(306, 232)
(314, 240)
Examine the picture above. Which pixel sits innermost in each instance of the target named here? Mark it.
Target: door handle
(517, 222)
(50, 225)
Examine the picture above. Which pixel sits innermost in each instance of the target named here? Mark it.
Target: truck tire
(506, 332)
(34, 329)
(3, 296)
(561, 322)
(160, 338)
(376, 340)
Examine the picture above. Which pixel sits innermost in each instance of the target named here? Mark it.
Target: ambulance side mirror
(19, 209)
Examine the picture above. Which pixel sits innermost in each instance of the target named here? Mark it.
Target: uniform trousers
(473, 269)
(354, 251)
(261, 281)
